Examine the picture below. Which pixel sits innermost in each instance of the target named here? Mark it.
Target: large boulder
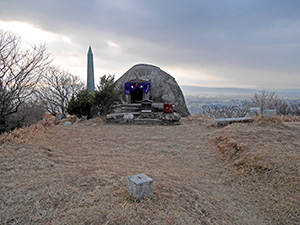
(164, 88)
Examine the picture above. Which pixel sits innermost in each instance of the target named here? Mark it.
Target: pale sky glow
(220, 43)
(196, 77)
(113, 45)
(28, 32)
(67, 40)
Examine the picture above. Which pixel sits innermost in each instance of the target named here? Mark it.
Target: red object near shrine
(168, 108)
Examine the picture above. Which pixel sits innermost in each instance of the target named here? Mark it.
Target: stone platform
(155, 118)
(131, 114)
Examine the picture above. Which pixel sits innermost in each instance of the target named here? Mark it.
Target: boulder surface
(164, 88)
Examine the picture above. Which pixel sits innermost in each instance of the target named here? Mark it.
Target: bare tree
(270, 100)
(265, 100)
(228, 111)
(20, 71)
(282, 106)
(295, 108)
(56, 89)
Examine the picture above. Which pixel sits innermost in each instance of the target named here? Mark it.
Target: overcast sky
(219, 43)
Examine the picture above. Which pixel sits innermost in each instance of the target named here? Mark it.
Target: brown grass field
(238, 174)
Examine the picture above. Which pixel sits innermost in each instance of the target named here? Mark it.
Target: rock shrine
(144, 84)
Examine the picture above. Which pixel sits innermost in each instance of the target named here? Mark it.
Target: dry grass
(266, 154)
(77, 174)
(290, 118)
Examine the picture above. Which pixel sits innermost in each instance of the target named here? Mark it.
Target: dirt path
(77, 174)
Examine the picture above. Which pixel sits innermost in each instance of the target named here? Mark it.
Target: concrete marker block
(254, 111)
(140, 185)
(269, 113)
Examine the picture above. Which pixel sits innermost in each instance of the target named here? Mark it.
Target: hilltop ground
(239, 174)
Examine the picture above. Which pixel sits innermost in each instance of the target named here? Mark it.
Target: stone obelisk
(90, 70)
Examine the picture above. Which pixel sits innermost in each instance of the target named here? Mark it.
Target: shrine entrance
(137, 96)
(137, 90)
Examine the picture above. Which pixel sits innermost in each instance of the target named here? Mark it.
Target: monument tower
(90, 70)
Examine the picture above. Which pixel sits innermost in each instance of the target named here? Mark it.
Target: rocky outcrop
(164, 88)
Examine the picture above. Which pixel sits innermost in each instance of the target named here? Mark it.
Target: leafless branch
(56, 89)
(20, 72)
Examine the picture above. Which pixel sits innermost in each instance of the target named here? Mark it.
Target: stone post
(140, 185)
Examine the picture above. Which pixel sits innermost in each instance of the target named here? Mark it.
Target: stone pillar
(90, 70)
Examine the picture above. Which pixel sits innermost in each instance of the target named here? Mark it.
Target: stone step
(127, 108)
(226, 121)
(136, 107)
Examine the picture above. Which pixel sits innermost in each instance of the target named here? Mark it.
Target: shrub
(81, 105)
(29, 112)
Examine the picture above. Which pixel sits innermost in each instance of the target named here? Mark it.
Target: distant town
(198, 97)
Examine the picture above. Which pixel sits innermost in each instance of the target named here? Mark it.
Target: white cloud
(223, 43)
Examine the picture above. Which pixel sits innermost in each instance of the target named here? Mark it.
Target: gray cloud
(247, 43)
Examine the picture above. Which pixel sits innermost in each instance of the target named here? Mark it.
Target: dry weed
(289, 118)
(24, 134)
(228, 147)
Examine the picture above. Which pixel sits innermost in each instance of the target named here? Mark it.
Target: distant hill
(216, 90)
(195, 90)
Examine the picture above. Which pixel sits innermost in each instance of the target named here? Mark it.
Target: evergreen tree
(81, 105)
(105, 94)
